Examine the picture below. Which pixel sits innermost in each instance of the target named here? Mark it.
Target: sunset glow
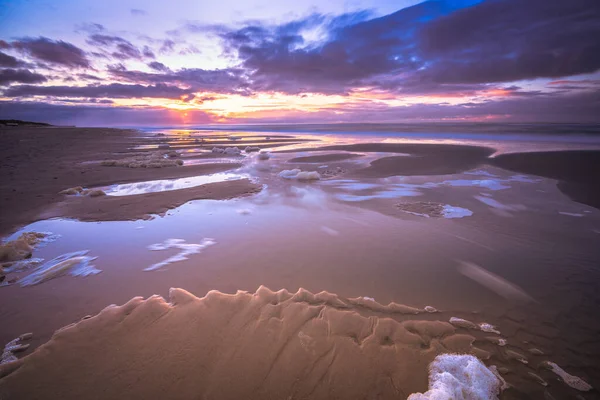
(379, 63)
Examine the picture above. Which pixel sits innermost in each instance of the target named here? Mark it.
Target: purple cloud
(158, 66)
(8, 76)
(10, 61)
(52, 51)
(509, 40)
(198, 80)
(113, 90)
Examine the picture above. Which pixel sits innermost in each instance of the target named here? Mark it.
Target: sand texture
(277, 345)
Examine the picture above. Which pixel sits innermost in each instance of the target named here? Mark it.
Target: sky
(199, 62)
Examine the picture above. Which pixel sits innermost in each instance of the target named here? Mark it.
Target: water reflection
(128, 189)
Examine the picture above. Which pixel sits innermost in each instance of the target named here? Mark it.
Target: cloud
(123, 49)
(137, 12)
(10, 61)
(89, 77)
(157, 66)
(148, 53)
(230, 80)
(90, 115)
(113, 90)
(168, 46)
(426, 48)
(569, 108)
(510, 40)
(8, 76)
(52, 51)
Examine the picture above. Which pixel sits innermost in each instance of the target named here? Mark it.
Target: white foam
(263, 155)
(460, 377)
(75, 264)
(456, 212)
(571, 380)
(462, 323)
(187, 249)
(299, 175)
(164, 185)
(430, 309)
(250, 149)
(232, 151)
(484, 326)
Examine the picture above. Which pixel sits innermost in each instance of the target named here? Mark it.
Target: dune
(246, 346)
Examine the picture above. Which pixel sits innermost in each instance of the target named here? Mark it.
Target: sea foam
(459, 377)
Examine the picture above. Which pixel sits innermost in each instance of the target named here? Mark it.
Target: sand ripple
(251, 346)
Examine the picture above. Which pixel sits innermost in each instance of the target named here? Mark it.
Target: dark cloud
(126, 51)
(137, 12)
(8, 76)
(123, 49)
(148, 53)
(113, 90)
(354, 48)
(4, 45)
(158, 66)
(89, 77)
(510, 40)
(10, 61)
(52, 51)
(427, 48)
(197, 80)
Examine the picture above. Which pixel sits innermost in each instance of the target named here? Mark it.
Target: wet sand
(37, 163)
(324, 158)
(578, 172)
(352, 234)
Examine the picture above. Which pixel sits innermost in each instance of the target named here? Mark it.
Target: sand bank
(578, 172)
(242, 346)
(37, 163)
(139, 206)
(424, 159)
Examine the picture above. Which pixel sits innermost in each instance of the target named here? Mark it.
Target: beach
(280, 264)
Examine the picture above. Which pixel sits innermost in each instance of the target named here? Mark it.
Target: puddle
(129, 189)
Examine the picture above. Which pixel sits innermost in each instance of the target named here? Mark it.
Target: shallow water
(346, 236)
(129, 189)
